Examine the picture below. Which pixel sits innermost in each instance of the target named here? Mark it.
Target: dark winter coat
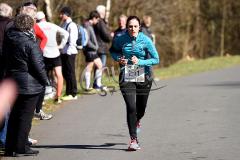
(3, 23)
(147, 31)
(103, 36)
(25, 61)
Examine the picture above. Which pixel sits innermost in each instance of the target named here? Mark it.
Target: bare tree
(183, 28)
(48, 9)
(223, 24)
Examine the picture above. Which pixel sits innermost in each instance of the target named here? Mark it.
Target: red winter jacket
(40, 35)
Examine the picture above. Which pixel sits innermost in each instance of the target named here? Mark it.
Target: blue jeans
(103, 58)
(3, 132)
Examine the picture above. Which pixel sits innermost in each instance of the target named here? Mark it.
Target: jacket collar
(68, 20)
(132, 37)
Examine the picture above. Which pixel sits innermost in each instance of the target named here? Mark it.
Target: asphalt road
(193, 118)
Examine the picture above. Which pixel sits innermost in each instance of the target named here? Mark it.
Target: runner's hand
(123, 61)
(134, 60)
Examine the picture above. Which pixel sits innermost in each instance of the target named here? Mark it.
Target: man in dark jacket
(103, 37)
(145, 27)
(5, 18)
(122, 28)
(26, 67)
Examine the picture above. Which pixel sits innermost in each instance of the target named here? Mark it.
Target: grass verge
(184, 67)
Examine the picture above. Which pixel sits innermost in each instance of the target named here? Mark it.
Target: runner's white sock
(99, 77)
(87, 79)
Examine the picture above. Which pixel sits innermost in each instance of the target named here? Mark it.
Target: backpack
(82, 36)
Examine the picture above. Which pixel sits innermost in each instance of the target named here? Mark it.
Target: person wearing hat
(68, 54)
(51, 52)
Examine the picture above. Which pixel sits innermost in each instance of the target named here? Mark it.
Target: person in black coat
(103, 36)
(122, 28)
(5, 18)
(145, 27)
(26, 67)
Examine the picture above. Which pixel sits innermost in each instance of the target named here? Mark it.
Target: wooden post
(48, 9)
(224, 16)
(108, 6)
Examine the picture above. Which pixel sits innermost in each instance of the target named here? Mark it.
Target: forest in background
(184, 29)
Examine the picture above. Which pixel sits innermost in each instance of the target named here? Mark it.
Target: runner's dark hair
(131, 18)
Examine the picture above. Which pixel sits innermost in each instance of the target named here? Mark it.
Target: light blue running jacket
(141, 46)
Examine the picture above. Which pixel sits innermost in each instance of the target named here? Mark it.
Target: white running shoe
(43, 116)
(133, 146)
(69, 97)
(32, 141)
(58, 100)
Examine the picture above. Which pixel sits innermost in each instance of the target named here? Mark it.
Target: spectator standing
(103, 37)
(5, 18)
(26, 67)
(145, 27)
(121, 26)
(69, 53)
(30, 9)
(122, 20)
(51, 52)
(130, 50)
(90, 51)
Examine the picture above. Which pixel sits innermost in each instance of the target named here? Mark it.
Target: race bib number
(134, 73)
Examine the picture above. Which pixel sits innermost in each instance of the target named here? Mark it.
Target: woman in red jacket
(30, 9)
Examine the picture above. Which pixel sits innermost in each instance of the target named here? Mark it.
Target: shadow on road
(229, 84)
(105, 146)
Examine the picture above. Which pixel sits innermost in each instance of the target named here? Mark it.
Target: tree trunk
(199, 46)
(224, 16)
(108, 6)
(48, 9)
(60, 4)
